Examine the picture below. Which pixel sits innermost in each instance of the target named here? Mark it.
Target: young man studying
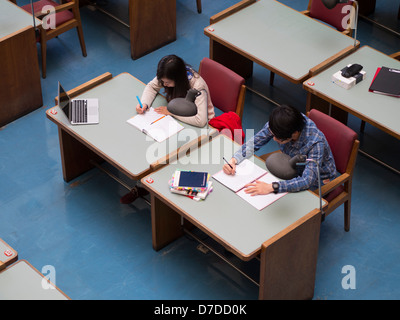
(295, 134)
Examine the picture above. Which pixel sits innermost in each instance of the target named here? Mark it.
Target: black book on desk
(386, 81)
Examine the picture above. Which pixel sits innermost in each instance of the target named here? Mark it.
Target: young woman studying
(176, 78)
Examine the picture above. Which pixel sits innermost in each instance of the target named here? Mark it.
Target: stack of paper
(155, 125)
(247, 172)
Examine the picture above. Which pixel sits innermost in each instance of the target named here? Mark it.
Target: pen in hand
(227, 162)
(140, 102)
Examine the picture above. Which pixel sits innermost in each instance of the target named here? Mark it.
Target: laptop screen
(63, 100)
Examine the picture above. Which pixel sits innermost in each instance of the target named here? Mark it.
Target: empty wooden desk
(276, 37)
(285, 234)
(21, 90)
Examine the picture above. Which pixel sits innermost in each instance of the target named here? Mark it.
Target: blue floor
(102, 249)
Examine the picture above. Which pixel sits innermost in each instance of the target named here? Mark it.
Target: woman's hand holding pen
(139, 108)
(229, 167)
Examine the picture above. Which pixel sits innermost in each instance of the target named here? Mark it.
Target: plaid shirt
(311, 143)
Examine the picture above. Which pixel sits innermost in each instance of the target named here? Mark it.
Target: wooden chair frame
(345, 179)
(47, 34)
(395, 55)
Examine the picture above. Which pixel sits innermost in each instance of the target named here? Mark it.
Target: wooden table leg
(289, 261)
(231, 59)
(315, 102)
(165, 223)
(75, 156)
(20, 86)
(152, 25)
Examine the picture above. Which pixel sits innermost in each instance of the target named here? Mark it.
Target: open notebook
(247, 172)
(155, 125)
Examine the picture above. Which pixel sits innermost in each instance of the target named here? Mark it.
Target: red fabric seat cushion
(61, 17)
(334, 193)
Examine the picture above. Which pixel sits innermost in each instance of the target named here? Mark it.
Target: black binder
(386, 81)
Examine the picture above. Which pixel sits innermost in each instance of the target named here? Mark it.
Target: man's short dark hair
(285, 120)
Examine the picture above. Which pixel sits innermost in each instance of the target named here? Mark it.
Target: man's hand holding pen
(230, 166)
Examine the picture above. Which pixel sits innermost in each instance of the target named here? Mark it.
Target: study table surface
(278, 38)
(13, 18)
(285, 233)
(228, 217)
(113, 139)
(379, 110)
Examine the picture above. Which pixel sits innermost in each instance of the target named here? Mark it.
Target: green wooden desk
(285, 234)
(378, 110)
(21, 281)
(276, 37)
(21, 90)
(113, 139)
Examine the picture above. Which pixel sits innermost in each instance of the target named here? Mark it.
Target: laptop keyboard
(79, 111)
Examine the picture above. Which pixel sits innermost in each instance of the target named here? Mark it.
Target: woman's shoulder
(197, 82)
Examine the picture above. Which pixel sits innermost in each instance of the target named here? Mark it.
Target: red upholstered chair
(227, 92)
(334, 17)
(344, 145)
(66, 17)
(226, 87)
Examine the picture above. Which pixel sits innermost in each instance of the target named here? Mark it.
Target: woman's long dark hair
(174, 68)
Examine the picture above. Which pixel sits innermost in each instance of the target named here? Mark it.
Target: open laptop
(78, 111)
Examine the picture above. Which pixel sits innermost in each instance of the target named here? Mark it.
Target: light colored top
(279, 37)
(379, 110)
(223, 214)
(13, 18)
(205, 107)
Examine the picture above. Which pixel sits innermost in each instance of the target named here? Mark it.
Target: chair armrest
(395, 55)
(331, 185)
(59, 8)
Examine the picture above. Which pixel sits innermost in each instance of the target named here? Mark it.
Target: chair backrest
(335, 17)
(226, 87)
(339, 136)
